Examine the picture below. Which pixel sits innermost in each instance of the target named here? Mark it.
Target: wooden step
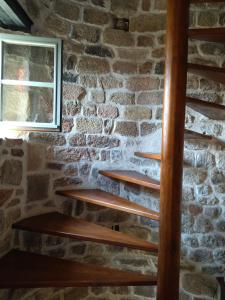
(212, 73)
(211, 110)
(216, 35)
(192, 135)
(98, 197)
(132, 177)
(154, 156)
(25, 270)
(62, 225)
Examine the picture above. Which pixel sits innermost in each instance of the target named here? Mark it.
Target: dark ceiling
(12, 16)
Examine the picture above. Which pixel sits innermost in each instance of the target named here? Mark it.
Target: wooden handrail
(172, 149)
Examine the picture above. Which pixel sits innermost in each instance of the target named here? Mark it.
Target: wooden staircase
(25, 270)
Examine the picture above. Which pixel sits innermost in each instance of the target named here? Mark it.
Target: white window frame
(56, 85)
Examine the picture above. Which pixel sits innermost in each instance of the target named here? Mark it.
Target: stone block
(95, 16)
(5, 195)
(71, 170)
(67, 9)
(100, 51)
(72, 107)
(123, 98)
(93, 65)
(118, 38)
(100, 3)
(149, 128)
(201, 255)
(145, 41)
(89, 125)
(35, 156)
(11, 172)
(75, 154)
(161, 4)
(37, 187)
(47, 138)
(73, 92)
(146, 68)
(148, 23)
(107, 111)
(137, 55)
(125, 7)
(121, 67)
(146, 4)
(138, 84)
(13, 142)
(110, 82)
(207, 18)
(67, 181)
(77, 140)
(17, 152)
(200, 285)
(82, 32)
(97, 141)
(67, 125)
(137, 113)
(127, 128)
(98, 96)
(150, 98)
(57, 26)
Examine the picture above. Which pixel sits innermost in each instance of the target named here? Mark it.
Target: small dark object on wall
(121, 24)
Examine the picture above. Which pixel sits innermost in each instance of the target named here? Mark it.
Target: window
(30, 83)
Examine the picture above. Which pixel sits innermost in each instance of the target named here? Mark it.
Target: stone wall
(112, 106)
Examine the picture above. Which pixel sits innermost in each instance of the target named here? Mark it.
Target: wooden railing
(172, 149)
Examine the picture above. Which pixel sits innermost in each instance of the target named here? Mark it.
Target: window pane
(27, 104)
(28, 63)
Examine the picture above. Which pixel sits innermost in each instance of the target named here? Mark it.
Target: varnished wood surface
(208, 34)
(132, 177)
(98, 197)
(62, 225)
(148, 155)
(211, 110)
(172, 149)
(212, 73)
(25, 270)
(192, 135)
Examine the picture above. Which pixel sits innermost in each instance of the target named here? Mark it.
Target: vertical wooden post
(172, 149)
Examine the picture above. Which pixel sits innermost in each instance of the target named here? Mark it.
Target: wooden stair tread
(148, 155)
(211, 110)
(25, 270)
(132, 177)
(212, 73)
(192, 135)
(208, 34)
(62, 225)
(105, 199)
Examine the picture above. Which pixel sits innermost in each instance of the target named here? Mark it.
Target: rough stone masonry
(112, 106)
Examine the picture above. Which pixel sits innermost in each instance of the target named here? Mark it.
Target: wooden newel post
(172, 149)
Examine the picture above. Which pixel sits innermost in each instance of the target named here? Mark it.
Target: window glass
(30, 83)
(30, 63)
(27, 104)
